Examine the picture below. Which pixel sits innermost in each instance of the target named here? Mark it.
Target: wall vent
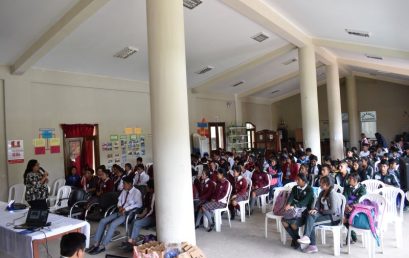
(374, 57)
(260, 37)
(126, 52)
(205, 69)
(191, 4)
(358, 33)
(238, 83)
(275, 91)
(290, 61)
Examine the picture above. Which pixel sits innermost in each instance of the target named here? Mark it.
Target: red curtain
(83, 131)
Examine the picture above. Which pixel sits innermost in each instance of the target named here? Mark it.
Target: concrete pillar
(239, 110)
(334, 112)
(352, 100)
(309, 100)
(170, 122)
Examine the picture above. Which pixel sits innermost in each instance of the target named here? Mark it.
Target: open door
(217, 136)
(80, 146)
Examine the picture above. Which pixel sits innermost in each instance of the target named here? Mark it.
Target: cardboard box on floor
(156, 249)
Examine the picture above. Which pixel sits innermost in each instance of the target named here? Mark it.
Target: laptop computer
(35, 219)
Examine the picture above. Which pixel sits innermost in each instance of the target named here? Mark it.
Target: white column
(352, 101)
(334, 112)
(239, 111)
(170, 122)
(309, 100)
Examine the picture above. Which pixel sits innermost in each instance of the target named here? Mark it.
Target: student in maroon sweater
(240, 192)
(260, 185)
(218, 200)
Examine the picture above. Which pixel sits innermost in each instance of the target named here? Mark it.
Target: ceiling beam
(375, 66)
(237, 70)
(67, 24)
(293, 93)
(271, 83)
(381, 77)
(361, 48)
(263, 14)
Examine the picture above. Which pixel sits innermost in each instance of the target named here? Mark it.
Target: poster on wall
(15, 151)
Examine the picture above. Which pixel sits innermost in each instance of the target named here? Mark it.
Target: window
(251, 132)
(368, 123)
(217, 136)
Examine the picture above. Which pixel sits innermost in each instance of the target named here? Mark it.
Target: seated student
(141, 177)
(239, 191)
(89, 182)
(250, 163)
(342, 176)
(352, 192)
(314, 169)
(128, 170)
(367, 171)
(139, 160)
(105, 184)
(260, 186)
(384, 176)
(355, 167)
(303, 170)
(327, 211)
(129, 199)
(72, 179)
(206, 189)
(246, 173)
(146, 218)
(72, 245)
(219, 200)
(119, 174)
(290, 170)
(213, 166)
(365, 151)
(301, 196)
(394, 168)
(325, 171)
(274, 171)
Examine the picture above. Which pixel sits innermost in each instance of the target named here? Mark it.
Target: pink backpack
(281, 202)
(365, 216)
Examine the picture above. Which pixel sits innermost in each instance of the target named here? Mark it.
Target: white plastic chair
(338, 188)
(367, 238)
(290, 185)
(336, 229)
(218, 213)
(394, 214)
(62, 198)
(372, 185)
(17, 193)
(271, 215)
(53, 193)
(262, 200)
(407, 195)
(242, 204)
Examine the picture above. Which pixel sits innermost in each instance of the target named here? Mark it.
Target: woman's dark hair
(90, 170)
(31, 163)
(355, 176)
(326, 181)
(237, 168)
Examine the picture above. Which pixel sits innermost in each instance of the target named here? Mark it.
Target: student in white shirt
(365, 152)
(141, 177)
(129, 199)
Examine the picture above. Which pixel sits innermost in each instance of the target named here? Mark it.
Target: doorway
(80, 143)
(217, 136)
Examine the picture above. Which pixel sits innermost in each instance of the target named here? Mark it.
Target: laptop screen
(38, 217)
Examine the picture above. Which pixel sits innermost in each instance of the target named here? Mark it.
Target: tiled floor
(246, 240)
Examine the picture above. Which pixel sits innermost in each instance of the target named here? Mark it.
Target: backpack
(365, 216)
(281, 202)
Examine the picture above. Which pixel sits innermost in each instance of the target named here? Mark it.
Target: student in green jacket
(352, 192)
(301, 196)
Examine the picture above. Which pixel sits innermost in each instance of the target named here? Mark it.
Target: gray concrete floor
(246, 240)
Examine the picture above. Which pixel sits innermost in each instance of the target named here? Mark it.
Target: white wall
(258, 114)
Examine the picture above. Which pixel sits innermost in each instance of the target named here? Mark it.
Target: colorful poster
(128, 130)
(15, 151)
(55, 149)
(114, 138)
(138, 130)
(47, 133)
(55, 142)
(39, 150)
(39, 142)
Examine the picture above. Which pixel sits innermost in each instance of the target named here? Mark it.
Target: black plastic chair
(104, 206)
(76, 204)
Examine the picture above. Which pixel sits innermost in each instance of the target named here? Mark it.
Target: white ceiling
(216, 35)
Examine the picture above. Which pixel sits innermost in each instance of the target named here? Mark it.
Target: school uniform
(341, 180)
(316, 182)
(219, 198)
(366, 173)
(141, 178)
(240, 189)
(105, 186)
(260, 183)
(388, 179)
(248, 174)
(206, 191)
(353, 194)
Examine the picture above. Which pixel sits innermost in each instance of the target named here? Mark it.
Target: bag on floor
(365, 216)
(280, 203)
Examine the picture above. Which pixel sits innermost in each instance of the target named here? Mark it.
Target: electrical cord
(14, 220)
(46, 244)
